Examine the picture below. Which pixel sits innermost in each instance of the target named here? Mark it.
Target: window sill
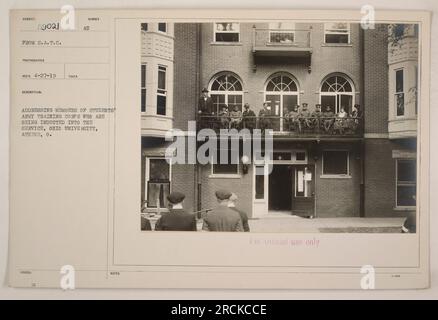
(282, 44)
(225, 176)
(147, 211)
(161, 33)
(405, 208)
(346, 45)
(158, 116)
(218, 43)
(402, 118)
(335, 176)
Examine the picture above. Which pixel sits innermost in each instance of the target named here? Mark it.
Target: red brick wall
(335, 197)
(185, 76)
(242, 187)
(238, 59)
(338, 197)
(185, 98)
(183, 180)
(380, 172)
(380, 179)
(376, 81)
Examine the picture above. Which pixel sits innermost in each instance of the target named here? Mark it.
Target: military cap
(176, 197)
(223, 194)
(204, 89)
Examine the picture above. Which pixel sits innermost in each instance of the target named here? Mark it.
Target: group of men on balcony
(297, 119)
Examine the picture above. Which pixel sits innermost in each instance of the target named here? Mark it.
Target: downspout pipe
(362, 142)
(197, 180)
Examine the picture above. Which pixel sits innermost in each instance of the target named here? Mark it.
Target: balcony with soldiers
(299, 121)
(335, 116)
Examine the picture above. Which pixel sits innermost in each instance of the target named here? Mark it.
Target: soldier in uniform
(177, 219)
(357, 115)
(328, 118)
(249, 118)
(235, 118)
(304, 117)
(291, 118)
(224, 117)
(242, 214)
(222, 218)
(265, 117)
(316, 117)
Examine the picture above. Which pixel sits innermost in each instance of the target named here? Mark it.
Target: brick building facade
(361, 172)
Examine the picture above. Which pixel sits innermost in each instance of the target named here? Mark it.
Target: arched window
(226, 89)
(337, 91)
(281, 93)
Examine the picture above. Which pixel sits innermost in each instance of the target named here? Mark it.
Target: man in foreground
(243, 216)
(177, 219)
(222, 218)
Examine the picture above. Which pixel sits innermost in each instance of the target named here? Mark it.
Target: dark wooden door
(303, 190)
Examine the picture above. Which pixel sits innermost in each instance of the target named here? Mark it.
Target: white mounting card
(95, 95)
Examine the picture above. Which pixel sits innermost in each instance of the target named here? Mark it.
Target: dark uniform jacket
(317, 114)
(176, 220)
(249, 114)
(205, 105)
(222, 219)
(243, 217)
(249, 119)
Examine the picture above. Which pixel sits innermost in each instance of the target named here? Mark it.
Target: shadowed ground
(284, 222)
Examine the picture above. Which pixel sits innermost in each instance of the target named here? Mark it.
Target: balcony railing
(281, 42)
(331, 126)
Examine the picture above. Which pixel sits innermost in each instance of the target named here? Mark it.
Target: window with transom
(226, 90)
(336, 93)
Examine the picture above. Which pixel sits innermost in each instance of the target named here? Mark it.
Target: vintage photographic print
(279, 126)
(218, 149)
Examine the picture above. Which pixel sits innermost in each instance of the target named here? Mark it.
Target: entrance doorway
(280, 188)
(292, 189)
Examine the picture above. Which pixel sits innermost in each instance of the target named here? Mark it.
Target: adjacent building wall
(380, 163)
(186, 74)
(184, 90)
(375, 93)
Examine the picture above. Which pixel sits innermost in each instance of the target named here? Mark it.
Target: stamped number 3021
(48, 26)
